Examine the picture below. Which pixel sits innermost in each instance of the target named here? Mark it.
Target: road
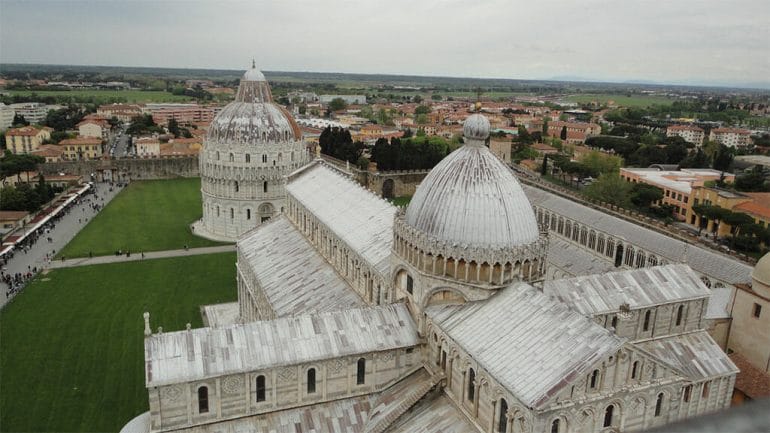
(66, 229)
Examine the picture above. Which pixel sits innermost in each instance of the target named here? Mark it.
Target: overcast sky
(672, 41)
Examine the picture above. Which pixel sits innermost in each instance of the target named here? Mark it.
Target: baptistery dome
(250, 146)
(471, 198)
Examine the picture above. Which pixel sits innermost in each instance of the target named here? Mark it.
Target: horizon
(678, 43)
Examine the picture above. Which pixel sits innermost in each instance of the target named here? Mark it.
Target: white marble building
(356, 316)
(251, 145)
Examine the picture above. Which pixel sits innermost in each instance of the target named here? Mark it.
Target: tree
(337, 143)
(545, 127)
(417, 98)
(15, 164)
(723, 158)
(610, 188)
(563, 134)
(644, 195)
(173, 127)
(19, 120)
(544, 167)
(753, 181)
(523, 136)
(601, 162)
(695, 160)
(337, 104)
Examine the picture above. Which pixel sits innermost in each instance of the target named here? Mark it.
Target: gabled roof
(639, 288)
(695, 354)
(186, 356)
(359, 218)
(293, 276)
(522, 338)
(706, 262)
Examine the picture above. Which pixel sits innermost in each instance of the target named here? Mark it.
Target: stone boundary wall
(125, 169)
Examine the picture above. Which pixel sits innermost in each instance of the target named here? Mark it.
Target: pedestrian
(142, 255)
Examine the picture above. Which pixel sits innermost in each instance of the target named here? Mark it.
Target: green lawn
(402, 201)
(635, 101)
(146, 216)
(71, 344)
(105, 96)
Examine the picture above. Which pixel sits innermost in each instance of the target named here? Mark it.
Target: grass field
(622, 100)
(147, 216)
(71, 344)
(106, 96)
(402, 201)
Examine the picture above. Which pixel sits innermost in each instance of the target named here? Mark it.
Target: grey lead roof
(359, 218)
(186, 356)
(700, 259)
(695, 354)
(293, 275)
(574, 259)
(520, 336)
(639, 288)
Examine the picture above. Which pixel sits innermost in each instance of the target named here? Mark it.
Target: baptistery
(250, 146)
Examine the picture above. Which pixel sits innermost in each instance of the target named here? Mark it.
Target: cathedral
(354, 315)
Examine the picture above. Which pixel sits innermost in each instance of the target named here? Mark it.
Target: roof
(639, 288)
(48, 150)
(703, 261)
(695, 355)
(532, 332)
(89, 141)
(433, 415)
(684, 128)
(359, 218)
(471, 198)
(218, 315)
(293, 276)
(761, 271)
(752, 381)
(12, 215)
(29, 131)
(574, 259)
(195, 354)
(759, 206)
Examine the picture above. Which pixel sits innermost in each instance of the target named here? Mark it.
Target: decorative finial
(189, 327)
(253, 64)
(147, 330)
(160, 329)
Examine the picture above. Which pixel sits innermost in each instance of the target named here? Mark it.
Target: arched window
(555, 425)
(614, 322)
(594, 379)
(659, 404)
(217, 156)
(608, 415)
(260, 387)
(203, 399)
(705, 391)
(679, 312)
(361, 372)
(248, 214)
(646, 324)
(311, 381)
(248, 158)
(471, 387)
(634, 369)
(237, 186)
(409, 284)
(264, 186)
(264, 158)
(687, 392)
(232, 158)
(502, 422)
(232, 213)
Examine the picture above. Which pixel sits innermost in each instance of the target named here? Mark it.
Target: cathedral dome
(471, 198)
(761, 275)
(253, 118)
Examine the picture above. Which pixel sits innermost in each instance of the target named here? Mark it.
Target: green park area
(71, 344)
(628, 101)
(150, 215)
(104, 96)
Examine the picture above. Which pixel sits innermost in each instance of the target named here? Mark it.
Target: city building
(252, 144)
(26, 139)
(690, 133)
(122, 112)
(749, 334)
(51, 152)
(676, 184)
(577, 132)
(731, 137)
(354, 315)
(81, 148)
(756, 205)
(7, 114)
(349, 99)
(94, 128)
(184, 114)
(33, 112)
(147, 147)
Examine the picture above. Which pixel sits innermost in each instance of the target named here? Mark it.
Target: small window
(471, 385)
(705, 391)
(594, 379)
(248, 158)
(217, 156)
(409, 284)
(248, 214)
(410, 350)
(361, 372)
(659, 404)
(203, 399)
(502, 422)
(264, 158)
(232, 213)
(679, 313)
(555, 425)
(232, 158)
(264, 186)
(260, 388)
(608, 415)
(634, 369)
(687, 392)
(217, 210)
(757, 310)
(237, 186)
(615, 322)
(311, 381)
(646, 326)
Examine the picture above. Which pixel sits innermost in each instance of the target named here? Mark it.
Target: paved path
(85, 261)
(66, 229)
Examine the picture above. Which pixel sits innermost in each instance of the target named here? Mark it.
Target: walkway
(100, 260)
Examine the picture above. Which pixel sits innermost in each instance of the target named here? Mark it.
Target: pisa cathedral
(472, 310)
